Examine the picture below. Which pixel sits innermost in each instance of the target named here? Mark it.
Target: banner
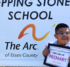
(26, 26)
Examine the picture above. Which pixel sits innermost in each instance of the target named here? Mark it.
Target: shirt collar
(68, 44)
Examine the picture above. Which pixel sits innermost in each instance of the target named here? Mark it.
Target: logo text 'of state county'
(33, 32)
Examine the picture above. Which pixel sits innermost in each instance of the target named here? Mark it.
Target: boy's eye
(61, 33)
(67, 33)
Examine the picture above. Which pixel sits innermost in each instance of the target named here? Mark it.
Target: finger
(45, 46)
(46, 50)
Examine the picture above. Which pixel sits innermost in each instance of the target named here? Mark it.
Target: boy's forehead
(63, 30)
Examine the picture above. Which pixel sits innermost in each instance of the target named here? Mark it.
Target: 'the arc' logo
(33, 32)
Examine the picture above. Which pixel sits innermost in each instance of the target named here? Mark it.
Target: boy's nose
(64, 34)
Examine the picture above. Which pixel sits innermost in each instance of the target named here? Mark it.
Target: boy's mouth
(64, 39)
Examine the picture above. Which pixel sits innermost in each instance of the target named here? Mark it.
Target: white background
(10, 29)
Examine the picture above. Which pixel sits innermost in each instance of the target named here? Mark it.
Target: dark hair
(61, 25)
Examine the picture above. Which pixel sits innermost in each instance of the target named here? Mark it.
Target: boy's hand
(46, 51)
(69, 60)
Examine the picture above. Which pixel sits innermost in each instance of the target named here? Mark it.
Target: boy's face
(63, 36)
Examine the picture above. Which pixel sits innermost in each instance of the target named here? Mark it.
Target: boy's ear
(55, 36)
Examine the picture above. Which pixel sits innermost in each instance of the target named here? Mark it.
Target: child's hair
(61, 25)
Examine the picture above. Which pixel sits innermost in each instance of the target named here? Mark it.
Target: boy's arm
(46, 51)
(69, 60)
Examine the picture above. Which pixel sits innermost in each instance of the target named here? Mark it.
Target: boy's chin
(64, 43)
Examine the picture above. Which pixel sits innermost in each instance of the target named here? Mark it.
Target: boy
(62, 34)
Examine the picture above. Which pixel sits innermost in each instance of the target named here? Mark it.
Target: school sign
(26, 26)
